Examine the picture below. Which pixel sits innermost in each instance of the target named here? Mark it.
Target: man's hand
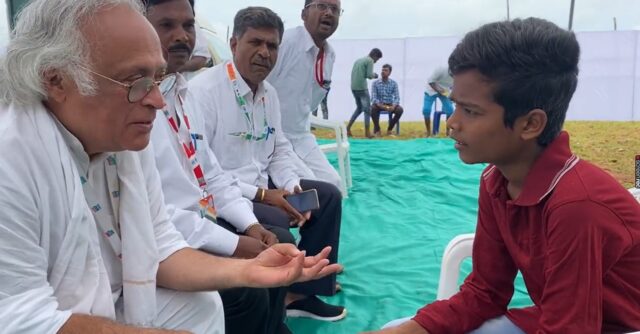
(380, 106)
(258, 232)
(409, 327)
(283, 264)
(375, 75)
(306, 215)
(276, 197)
(249, 247)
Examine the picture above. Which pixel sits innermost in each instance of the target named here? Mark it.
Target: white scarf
(139, 250)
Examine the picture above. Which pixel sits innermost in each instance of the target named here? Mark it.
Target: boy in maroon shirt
(568, 226)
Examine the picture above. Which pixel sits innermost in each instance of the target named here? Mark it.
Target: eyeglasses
(138, 89)
(335, 10)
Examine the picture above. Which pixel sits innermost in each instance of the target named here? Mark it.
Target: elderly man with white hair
(85, 242)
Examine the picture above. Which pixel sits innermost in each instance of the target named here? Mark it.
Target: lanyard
(319, 70)
(207, 207)
(242, 102)
(189, 149)
(102, 218)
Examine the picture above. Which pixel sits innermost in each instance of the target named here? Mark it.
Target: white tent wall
(608, 88)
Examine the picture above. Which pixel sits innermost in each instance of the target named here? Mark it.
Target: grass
(610, 145)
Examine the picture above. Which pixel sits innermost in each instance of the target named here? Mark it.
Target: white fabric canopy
(608, 89)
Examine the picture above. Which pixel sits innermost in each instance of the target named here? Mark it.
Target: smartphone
(304, 201)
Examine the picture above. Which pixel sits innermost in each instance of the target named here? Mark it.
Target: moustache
(180, 47)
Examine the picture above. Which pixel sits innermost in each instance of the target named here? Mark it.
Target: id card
(207, 209)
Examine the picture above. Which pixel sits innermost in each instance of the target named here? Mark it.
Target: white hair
(47, 37)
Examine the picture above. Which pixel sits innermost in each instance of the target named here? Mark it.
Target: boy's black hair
(150, 3)
(256, 18)
(388, 66)
(531, 63)
(375, 52)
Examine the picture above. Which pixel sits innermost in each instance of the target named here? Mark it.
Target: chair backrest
(458, 249)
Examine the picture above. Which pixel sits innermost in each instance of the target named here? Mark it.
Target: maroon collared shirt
(573, 232)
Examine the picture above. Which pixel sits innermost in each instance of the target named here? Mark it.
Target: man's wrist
(252, 225)
(260, 193)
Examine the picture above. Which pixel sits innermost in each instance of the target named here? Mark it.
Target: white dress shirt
(181, 189)
(295, 81)
(212, 95)
(54, 260)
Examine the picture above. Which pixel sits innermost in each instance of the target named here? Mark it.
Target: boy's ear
(532, 124)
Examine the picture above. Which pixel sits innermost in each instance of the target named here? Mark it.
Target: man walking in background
(361, 71)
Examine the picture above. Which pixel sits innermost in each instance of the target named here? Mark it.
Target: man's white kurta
(53, 259)
(299, 92)
(252, 162)
(181, 188)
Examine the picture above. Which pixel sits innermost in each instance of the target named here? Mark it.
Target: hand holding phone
(304, 201)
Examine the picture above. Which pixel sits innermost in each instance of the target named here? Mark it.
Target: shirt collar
(174, 83)
(307, 41)
(308, 44)
(78, 153)
(244, 88)
(552, 164)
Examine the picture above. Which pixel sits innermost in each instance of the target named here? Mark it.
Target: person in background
(385, 97)
(242, 122)
(200, 55)
(187, 186)
(324, 106)
(568, 226)
(361, 71)
(302, 78)
(438, 87)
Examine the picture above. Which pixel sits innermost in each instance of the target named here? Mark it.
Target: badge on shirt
(207, 209)
(194, 138)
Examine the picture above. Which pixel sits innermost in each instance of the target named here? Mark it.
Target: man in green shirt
(361, 71)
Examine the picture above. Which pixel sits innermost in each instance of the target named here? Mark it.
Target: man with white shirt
(242, 122)
(190, 176)
(302, 77)
(85, 243)
(438, 87)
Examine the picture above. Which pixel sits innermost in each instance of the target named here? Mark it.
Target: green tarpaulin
(409, 198)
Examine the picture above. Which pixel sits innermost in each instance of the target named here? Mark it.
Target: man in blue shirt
(385, 97)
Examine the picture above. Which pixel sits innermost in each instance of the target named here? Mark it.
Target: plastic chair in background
(341, 147)
(437, 115)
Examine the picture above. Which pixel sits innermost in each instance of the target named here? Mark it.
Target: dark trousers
(375, 116)
(363, 103)
(251, 310)
(323, 229)
(324, 107)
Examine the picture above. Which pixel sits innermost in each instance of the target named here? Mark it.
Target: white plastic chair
(460, 248)
(341, 147)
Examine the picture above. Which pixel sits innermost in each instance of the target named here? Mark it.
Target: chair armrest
(323, 123)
